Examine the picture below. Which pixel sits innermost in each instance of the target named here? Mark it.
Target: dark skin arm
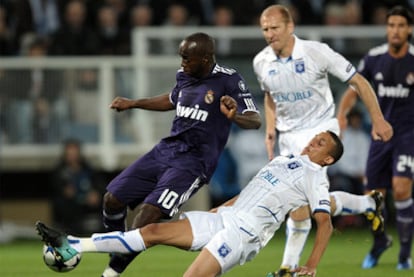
(247, 120)
(228, 106)
(156, 103)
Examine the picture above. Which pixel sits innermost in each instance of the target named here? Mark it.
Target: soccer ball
(54, 263)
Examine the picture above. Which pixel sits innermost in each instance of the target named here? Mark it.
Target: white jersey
(235, 234)
(283, 185)
(299, 84)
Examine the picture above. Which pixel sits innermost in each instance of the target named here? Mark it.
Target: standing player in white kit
(293, 73)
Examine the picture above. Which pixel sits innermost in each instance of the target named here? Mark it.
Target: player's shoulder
(314, 50)
(264, 55)
(312, 45)
(378, 50)
(411, 49)
(220, 69)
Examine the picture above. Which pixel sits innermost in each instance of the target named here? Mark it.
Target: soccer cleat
(375, 217)
(371, 259)
(57, 240)
(282, 272)
(406, 265)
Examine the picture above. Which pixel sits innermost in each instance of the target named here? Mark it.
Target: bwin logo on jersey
(191, 112)
(293, 165)
(299, 66)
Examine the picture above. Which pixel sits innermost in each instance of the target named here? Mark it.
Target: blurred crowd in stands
(103, 27)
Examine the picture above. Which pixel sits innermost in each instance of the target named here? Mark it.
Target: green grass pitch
(342, 258)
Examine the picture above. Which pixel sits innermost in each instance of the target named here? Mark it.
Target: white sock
(297, 233)
(118, 242)
(351, 204)
(109, 272)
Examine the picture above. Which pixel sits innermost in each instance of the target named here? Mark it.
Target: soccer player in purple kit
(389, 67)
(207, 98)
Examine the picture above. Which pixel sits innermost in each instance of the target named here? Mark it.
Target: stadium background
(136, 61)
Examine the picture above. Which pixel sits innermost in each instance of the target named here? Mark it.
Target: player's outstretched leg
(381, 240)
(57, 240)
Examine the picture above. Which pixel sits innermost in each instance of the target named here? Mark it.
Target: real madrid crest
(209, 97)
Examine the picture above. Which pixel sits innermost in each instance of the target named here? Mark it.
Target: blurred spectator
(348, 173)
(6, 39)
(250, 154)
(334, 15)
(74, 37)
(309, 12)
(122, 10)
(36, 16)
(141, 15)
(4, 102)
(47, 110)
(378, 15)
(224, 183)
(246, 12)
(113, 40)
(77, 192)
(223, 17)
(177, 16)
(352, 13)
(35, 111)
(374, 12)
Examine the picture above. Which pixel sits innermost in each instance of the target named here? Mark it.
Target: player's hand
(382, 130)
(343, 122)
(120, 104)
(228, 106)
(305, 271)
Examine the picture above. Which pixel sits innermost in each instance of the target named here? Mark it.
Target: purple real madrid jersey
(393, 82)
(199, 130)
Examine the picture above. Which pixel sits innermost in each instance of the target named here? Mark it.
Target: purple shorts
(148, 180)
(388, 159)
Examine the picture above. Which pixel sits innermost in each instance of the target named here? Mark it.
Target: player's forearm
(348, 101)
(323, 235)
(157, 103)
(248, 120)
(270, 113)
(367, 95)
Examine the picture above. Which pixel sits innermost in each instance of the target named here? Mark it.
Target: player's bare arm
(348, 100)
(270, 117)
(381, 129)
(157, 103)
(323, 235)
(247, 120)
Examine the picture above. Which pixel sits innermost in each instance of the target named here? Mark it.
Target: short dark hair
(401, 11)
(338, 150)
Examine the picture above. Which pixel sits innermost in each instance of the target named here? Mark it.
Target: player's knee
(300, 214)
(112, 204)
(146, 214)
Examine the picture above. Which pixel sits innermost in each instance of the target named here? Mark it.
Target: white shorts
(293, 142)
(224, 236)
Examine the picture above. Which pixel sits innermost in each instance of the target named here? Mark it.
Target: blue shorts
(389, 159)
(147, 180)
